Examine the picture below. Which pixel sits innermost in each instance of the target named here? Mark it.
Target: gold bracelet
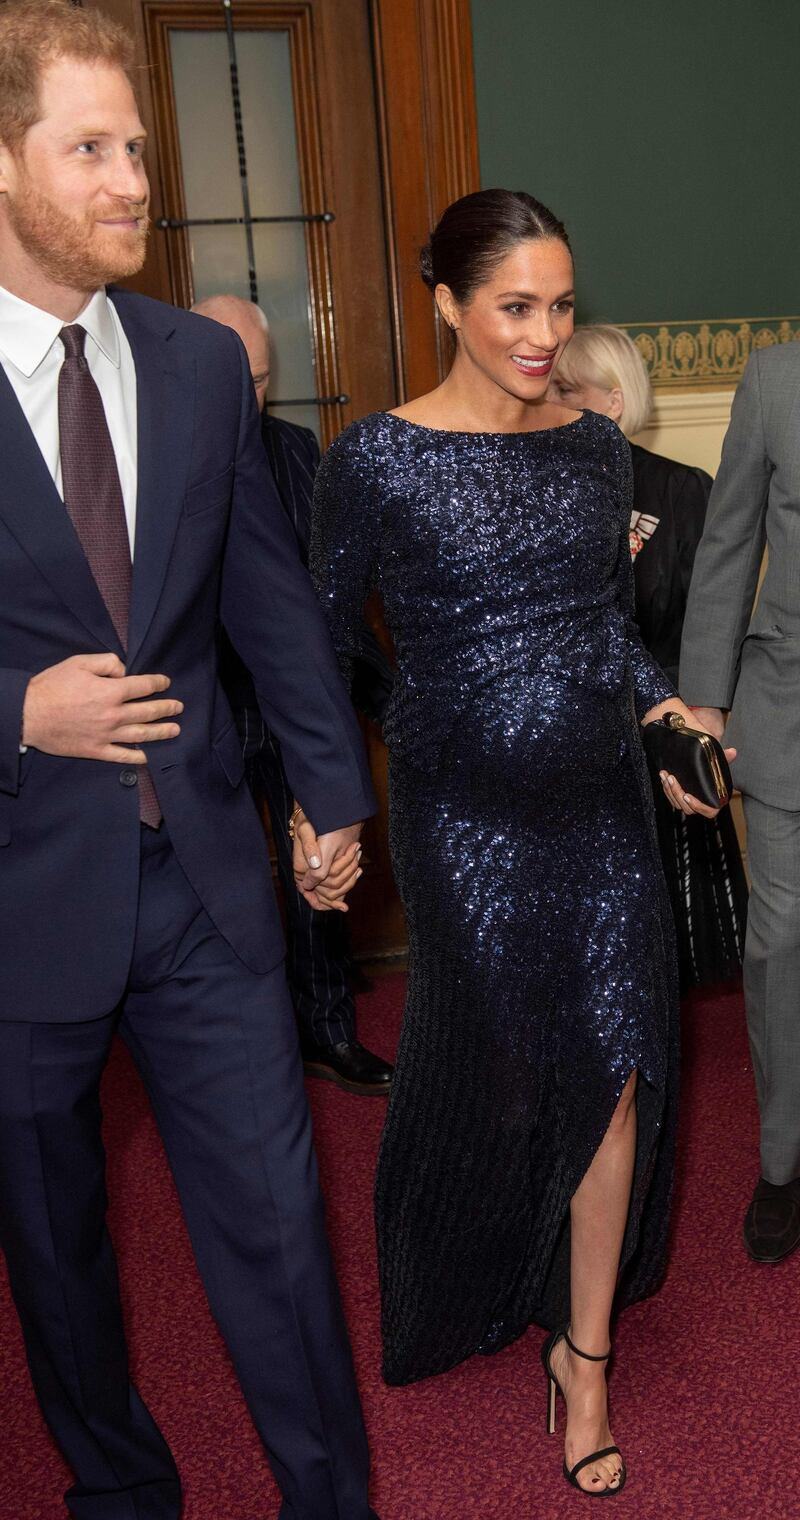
(297, 814)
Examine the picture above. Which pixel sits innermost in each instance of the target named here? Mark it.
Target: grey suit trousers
(741, 651)
(772, 982)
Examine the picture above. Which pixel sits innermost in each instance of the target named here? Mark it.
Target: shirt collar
(27, 333)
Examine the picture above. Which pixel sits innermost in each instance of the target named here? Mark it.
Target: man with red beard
(136, 506)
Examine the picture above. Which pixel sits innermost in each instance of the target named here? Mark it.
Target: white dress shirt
(31, 353)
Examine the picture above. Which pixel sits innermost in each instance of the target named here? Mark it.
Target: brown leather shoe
(772, 1222)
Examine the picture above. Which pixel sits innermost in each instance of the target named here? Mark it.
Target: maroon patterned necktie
(93, 499)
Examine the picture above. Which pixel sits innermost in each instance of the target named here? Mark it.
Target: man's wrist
(348, 831)
(24, 720)
(722, 713)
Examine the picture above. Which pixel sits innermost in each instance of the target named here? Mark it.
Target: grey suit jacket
(735, 655)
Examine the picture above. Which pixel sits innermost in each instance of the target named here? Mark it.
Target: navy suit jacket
(212, 540)
(293, 454)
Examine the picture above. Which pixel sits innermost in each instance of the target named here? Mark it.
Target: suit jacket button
(128, 777)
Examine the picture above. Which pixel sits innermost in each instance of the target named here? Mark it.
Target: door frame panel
(296, 18)
(429, 147)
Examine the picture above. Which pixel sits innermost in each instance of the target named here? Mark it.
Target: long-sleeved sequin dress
(522, 836)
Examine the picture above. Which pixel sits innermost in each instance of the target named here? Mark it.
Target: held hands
(87, 707)
(710, 720)
(326, 866)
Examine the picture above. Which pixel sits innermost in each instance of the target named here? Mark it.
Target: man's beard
(75, 251)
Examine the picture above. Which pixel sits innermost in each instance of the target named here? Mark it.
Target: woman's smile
(531, 364)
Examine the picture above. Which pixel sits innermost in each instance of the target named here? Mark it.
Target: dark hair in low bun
(476, 233)
(426, 265)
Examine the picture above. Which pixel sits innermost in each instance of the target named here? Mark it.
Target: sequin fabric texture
(522, 837)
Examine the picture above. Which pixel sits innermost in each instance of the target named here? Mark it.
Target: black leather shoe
(351, 1067)
(772, 1222)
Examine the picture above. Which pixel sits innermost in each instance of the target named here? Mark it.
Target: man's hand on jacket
(87, 707)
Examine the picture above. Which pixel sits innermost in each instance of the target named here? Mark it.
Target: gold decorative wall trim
(689, 354)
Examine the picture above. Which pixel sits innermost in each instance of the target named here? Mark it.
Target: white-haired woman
(602, 370)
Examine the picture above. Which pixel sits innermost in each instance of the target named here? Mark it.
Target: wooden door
(384, 133)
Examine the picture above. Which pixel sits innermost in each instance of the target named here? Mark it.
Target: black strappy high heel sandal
(553, 1389)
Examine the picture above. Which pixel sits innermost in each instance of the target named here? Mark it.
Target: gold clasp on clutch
(677, 720)
(711, 755)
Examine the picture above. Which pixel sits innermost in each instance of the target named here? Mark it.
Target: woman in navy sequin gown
(527, 1155)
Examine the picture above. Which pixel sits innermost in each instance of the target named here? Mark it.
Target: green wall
(667, 137)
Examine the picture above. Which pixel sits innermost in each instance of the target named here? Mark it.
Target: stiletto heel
(553, 1386)
(551, 1404)
(553, 1389)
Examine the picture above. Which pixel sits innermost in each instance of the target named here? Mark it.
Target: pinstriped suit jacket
(293, 453)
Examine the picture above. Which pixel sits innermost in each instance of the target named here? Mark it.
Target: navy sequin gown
(521, 828)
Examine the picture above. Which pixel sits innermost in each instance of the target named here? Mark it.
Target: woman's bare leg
(598, 1215)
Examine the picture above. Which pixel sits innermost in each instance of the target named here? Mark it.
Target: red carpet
(705, 1387)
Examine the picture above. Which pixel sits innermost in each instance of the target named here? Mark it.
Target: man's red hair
(34, 34)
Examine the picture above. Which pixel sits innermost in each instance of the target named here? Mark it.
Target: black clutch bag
(696, 759)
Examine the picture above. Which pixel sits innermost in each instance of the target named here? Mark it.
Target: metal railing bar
(167, 223)
(240, 148)
(309, 401)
